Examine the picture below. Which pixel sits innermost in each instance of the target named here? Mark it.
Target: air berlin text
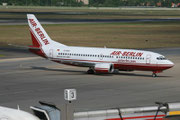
(39, 32)
(128, 54)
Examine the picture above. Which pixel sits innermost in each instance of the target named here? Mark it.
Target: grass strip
(112, 35)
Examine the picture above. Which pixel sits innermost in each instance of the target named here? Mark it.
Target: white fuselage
(122, 59)
(97, 59)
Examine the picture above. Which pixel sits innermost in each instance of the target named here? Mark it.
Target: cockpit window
(161, 58)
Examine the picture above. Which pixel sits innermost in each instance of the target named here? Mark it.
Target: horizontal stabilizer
(34, 48)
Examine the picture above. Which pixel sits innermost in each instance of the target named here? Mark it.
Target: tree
(94, 3)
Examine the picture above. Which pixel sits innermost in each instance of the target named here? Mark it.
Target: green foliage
(94, 3)
(116, 3)
(43, 2)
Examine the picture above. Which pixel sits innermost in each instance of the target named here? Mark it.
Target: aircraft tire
(90, 71)
(154, 75)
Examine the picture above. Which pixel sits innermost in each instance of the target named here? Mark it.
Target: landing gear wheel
(90, 71)
(154, 75)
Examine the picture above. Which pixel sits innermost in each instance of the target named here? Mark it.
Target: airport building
(86, 2)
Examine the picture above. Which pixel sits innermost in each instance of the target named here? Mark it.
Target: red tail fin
(36, 47)
(34, 40)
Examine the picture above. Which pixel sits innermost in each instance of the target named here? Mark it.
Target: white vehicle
(99, 60)
(13, 114)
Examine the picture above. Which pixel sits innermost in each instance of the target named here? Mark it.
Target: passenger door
(148, 59)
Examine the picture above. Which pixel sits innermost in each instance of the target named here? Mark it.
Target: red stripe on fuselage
(126, 66)
(101, 71)
(146, 67)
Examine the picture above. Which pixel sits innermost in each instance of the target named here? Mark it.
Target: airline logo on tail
(39, 32)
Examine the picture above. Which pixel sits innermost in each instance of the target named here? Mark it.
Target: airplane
(99, 60)
(13, 114)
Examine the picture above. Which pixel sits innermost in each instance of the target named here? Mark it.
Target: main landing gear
(90, 71)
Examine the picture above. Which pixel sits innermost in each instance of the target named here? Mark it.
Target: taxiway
(26, 79)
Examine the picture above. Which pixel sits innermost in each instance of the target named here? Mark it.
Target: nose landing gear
(90, 71)
(154, 74)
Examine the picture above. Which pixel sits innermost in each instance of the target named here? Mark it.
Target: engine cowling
(104, 68)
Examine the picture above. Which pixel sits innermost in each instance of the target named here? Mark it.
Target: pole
(69, 95)
(69, 111)
(159, 107)
(120, 115)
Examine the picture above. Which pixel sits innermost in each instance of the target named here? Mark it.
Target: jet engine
(104, 68)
